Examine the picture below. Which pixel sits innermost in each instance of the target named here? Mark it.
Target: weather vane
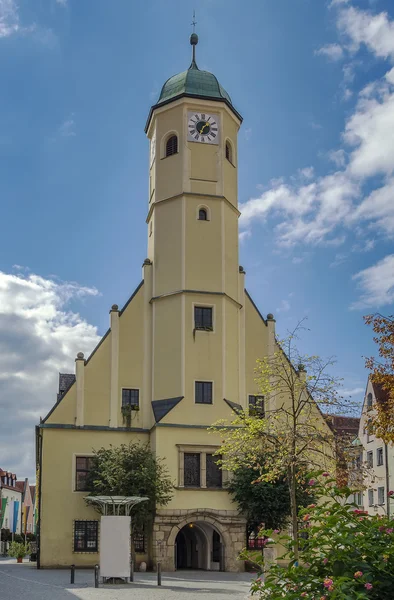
(194, 22)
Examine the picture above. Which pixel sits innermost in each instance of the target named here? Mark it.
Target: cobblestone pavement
(24, 582)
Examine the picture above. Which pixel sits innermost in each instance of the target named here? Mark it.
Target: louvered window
(229, 152)
(172, 145)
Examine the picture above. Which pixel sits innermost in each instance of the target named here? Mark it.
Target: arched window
(229, 152)
(202, 215)
(369, 401)
(172, 145)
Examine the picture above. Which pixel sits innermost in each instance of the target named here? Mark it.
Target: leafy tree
(348, 553)
(262, 501)
(131, 470)
(382, 420)
(289, 431)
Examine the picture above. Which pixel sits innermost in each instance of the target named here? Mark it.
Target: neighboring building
(376, 457)
(10, 502)
(27, 523)
(345, 431)
(179, 356)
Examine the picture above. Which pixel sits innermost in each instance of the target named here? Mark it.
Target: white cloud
(244, 235)
(284, 306)
(352, 392)
(338, 157)
(62, 2)
(362, 27)
(364, 246)
(248, 133)
(376, 284)
(9, 18)
(333, 52)
(39, 336)
(339, 259)
(67, 128)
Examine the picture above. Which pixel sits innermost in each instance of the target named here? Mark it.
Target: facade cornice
(203, 292)
(193, 194)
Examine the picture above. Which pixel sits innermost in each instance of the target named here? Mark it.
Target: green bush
(18, 550)
(346, 554)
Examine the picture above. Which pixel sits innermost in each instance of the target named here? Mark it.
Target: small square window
(83, 464)
(370, 460)
(130, 397)
(85, 536)
(203, 318)
(370, 497)
(256, 406)
(380, 496)
(203, 392)
(379, 457)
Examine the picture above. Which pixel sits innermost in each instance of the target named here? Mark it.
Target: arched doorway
(199, 546)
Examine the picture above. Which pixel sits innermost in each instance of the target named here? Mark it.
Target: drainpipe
(386, 458)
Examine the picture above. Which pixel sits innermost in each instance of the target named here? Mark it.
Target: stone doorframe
(228, 523)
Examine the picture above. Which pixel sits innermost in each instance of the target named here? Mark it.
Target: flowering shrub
(346, 554)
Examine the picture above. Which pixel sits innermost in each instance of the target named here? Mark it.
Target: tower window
(202, 215)
(256, 406)
(203, 392)
(172, 145)
(229, 152)
(369, 401)
(203, 318)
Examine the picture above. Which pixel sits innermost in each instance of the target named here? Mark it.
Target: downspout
(386, 458)
(39, 463)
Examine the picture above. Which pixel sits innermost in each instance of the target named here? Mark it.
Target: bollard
(131, 570)
(96, 576)
(158, 573)
(72, 573)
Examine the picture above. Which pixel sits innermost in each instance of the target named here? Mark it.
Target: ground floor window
(139, 542)
(85, 536)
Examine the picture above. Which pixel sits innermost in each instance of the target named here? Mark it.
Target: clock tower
(193, 243)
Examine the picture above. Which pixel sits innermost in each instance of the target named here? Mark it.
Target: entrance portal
(199, 546)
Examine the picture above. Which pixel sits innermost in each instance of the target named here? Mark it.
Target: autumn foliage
(382, 375)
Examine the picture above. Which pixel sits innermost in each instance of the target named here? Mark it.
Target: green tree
(131, 470)
(288, 431)
(260, 501)
(348, 553)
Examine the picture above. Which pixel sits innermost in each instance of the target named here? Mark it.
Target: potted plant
(18, 550)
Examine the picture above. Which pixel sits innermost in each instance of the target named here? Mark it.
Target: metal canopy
(116, 502)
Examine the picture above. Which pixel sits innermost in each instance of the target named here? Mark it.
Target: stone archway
(229, 526)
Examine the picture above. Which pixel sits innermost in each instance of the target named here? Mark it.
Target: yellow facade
(153, 346)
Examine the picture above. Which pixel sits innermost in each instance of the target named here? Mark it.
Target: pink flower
(325, 561)
(358, 574)
(276, 531)
(389, 530)
(304, 595)
(306, 517)
(328, 583)
(391, 493)
(312, 482)
(368, 586)
(325, 474)
(312, 506)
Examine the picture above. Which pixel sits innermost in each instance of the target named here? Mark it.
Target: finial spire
(194, 42)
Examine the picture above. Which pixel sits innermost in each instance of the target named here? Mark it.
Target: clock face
(203, 127)
(152, 148)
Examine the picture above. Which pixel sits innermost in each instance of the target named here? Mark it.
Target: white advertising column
(115, 547)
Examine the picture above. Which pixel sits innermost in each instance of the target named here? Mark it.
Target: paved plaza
(24, 582)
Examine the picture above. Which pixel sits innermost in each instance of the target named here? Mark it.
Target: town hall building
(179, 356)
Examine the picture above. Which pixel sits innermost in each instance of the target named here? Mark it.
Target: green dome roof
(193, 82)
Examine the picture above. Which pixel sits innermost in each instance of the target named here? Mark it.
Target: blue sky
(314, 81)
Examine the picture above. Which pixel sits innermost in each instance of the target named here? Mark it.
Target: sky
(314, 81)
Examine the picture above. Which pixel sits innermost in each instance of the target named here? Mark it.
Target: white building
(376, 458)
